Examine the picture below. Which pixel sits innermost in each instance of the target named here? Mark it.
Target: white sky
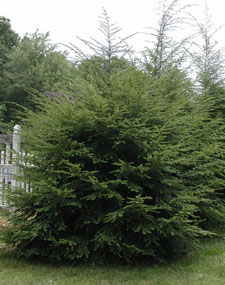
(66, 19)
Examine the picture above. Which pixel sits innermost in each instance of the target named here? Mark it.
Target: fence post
(16, 149)
(7, 157)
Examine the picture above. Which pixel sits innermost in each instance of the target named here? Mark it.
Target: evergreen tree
(208, 62)
(126, 170)
(164, 51)
(105, 180)
(107, 58)
(207, 57)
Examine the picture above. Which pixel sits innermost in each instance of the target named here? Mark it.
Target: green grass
(205, 265)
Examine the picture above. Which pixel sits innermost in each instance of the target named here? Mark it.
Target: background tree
(164, 51)
(209, 63)
(207, 57)
(34, 66)
(8, 41)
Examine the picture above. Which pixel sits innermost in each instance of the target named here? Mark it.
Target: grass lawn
(205, 266)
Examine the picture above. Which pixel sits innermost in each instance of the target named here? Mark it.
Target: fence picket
(8, 163)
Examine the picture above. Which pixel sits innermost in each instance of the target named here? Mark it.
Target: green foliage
(208, 58)
(164, 50)
(8, 41)
(104, 78)
(129, 167)
(2, 114)
(108, 181)
(35, 66)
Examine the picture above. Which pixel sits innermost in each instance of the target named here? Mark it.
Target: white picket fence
(8, 163)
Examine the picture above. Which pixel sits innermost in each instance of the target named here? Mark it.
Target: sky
(67, 19)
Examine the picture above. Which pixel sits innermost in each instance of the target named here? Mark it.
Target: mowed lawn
(204, 265)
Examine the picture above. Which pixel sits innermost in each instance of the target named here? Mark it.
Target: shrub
(106, 183)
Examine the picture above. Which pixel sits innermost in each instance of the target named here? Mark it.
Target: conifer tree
(107, 57)
(207, 57)
(107, 181)
(209, 63)
(164, 51)
(125, 172)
